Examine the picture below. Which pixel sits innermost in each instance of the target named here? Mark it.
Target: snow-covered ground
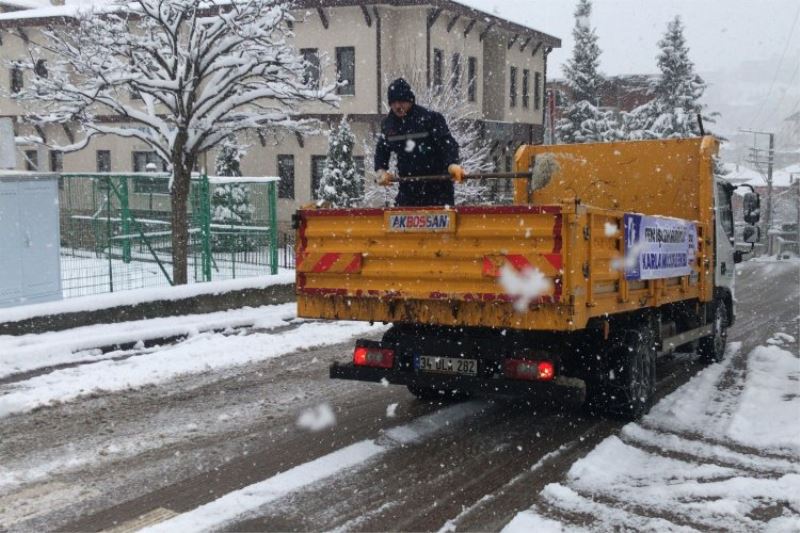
(97, 417)
(84, 273)
(205, 349)
(97, 302)
(721, 452)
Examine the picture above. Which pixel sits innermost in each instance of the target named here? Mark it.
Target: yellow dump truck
(610, 255)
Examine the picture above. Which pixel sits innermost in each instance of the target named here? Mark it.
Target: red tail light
(375, 357)
(546, 371)
(529, 369)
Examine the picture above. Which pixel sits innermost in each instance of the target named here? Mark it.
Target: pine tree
(672, 113)
(582, 121)
(341, 184)
(230, 203)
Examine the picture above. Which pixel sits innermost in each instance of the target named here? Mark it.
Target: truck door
(725, 270)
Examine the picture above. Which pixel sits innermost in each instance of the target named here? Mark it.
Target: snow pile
(527, 285)
(707, 457)
(24, 353)
(204, 352)
(117, 299)
(317, 418)
(544, 167)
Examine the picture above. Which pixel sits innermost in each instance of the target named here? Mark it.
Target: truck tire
(711, 349)
(630, 381)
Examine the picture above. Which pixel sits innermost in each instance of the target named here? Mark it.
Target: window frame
(286, 183)
(455, 70)
(312, 69)
(472, 79)
(56, 160)
(31, 160)
(512, 87)
(144, 184)
(526, 89)
(16, 79)
(317, 169)
(438, 68)
(97, 159)
(537, 90)
(350, 88)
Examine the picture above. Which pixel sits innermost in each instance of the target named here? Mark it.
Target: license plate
(420, 221)
(447, 365)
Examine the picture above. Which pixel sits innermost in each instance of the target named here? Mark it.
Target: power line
(780, 100)
(777, 69)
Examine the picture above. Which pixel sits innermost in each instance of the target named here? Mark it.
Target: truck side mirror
(752, 234)
(752, 209)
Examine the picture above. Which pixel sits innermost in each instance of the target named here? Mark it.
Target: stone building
(365, 42)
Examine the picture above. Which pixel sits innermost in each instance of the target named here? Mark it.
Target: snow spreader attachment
(606, 247)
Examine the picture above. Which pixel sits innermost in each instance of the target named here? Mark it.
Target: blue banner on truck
(658, 247)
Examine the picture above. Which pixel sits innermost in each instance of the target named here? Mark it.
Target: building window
(526, 88)
(360, 168)
(56, 161)
(455, 71)
(17, 82)
(537, 90)
(346, 70)
(103, 160)
(40, 69)
(311, 67)
(31, 160)
(472, 79)
(286, 173)
(149, 162)
(512, 84)
(317, 168)
(438, 68)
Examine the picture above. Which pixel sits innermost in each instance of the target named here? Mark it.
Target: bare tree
(178, 75)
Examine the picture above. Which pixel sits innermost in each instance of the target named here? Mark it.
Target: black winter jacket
(424, 147)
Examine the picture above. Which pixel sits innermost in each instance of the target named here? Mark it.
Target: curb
(204, 303)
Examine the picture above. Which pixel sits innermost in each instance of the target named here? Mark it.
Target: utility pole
(758, 158)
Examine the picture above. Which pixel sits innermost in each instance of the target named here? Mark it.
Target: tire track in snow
(243, 502)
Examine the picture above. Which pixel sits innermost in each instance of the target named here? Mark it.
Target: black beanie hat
(400, 90)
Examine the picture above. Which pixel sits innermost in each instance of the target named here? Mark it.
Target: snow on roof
(739, 175)
(41, 12)
(25, 4)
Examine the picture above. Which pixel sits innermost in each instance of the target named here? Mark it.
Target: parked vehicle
(612, 255)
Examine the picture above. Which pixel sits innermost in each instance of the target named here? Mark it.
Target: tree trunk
(180, 227)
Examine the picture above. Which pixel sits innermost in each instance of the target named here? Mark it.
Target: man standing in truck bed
(424, 147)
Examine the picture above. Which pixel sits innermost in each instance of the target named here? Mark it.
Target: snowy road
(183, 439)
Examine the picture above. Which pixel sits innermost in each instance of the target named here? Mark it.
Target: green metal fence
(116, 231)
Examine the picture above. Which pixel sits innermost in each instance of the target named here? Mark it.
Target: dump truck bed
(443, 265)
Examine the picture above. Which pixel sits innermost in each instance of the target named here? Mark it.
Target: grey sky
(748, 50)
(721, 33)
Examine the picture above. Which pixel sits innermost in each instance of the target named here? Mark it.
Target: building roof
(740, 175)
(38, 12)
(25, 4)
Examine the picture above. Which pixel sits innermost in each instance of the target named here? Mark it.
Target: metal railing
(116, 230)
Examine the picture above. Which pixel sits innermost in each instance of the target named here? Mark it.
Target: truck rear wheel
(712, 348)
(628, 386)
